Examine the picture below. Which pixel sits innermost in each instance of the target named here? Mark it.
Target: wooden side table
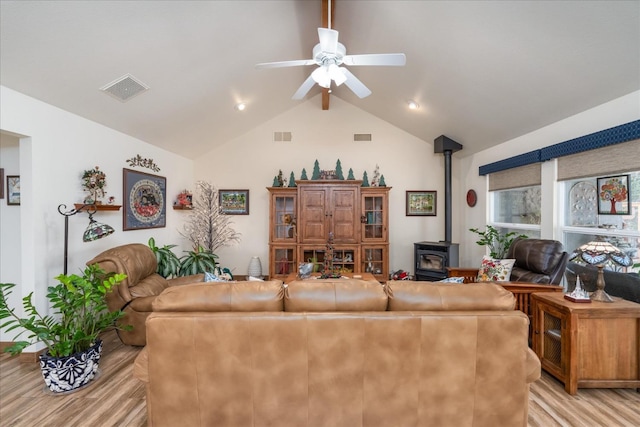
(587, 345)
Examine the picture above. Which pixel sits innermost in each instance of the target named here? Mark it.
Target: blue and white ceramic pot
(64, 374)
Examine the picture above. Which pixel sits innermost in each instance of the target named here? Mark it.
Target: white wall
(9, 216)
(616, 112)
(56, 148)
(252, 160)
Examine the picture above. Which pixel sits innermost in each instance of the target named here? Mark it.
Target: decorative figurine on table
(579, 294)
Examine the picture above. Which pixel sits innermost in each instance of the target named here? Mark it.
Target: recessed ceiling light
(413, 105)
(240, 106)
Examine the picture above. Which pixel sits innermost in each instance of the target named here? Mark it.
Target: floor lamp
(96, 230)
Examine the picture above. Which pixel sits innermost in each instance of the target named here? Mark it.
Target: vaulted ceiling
(483, 72)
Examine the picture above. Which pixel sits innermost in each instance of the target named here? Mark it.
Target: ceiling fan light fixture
(321, 76)
(336, 74)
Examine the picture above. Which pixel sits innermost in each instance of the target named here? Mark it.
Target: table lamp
(597, 253)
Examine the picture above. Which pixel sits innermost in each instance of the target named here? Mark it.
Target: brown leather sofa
(137, 292)
(336, 353)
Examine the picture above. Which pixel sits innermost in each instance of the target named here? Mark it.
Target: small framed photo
(145, 200)
(234, 202)
(421, 203)
(613, 195)
(13, 190)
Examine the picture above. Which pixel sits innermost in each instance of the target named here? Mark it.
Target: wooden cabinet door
(312, 216)
(344, 215)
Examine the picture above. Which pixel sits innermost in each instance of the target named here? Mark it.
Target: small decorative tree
(382, 183)
(292, 180)
(376, 177)
(365, 179)
(316, 170)
(339, 174)
(94, 182)
(280, 178)
(208, 227)
(303, 176)
(350, 176)
(276, 183)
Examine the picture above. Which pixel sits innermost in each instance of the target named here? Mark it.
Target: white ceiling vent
(362, 137)
(125, 88)
(282, 137)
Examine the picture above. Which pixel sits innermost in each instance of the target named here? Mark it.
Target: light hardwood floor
(115, 398)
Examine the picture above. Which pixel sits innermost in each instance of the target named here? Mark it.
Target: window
(581, 222)
(517, 210)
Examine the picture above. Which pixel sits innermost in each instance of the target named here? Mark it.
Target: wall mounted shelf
(81, 206)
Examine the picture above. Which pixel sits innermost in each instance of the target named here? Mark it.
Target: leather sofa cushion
(151, 285)
(406, 295)
(522, 275)
(216, 296)
(334, 295)
(535, 255)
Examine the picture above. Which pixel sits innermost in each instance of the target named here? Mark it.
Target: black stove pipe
(447, 146)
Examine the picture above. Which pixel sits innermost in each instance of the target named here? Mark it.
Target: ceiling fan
(329, 55)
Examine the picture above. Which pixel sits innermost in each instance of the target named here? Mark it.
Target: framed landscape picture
(421, 203)
(145, 200)
(613, 195)
(234, 202)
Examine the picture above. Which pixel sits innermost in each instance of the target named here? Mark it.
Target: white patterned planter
(63, 374)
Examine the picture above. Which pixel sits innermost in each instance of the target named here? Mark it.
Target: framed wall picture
(613, 195)
(1, 183)
(145, 200)
(421, 203)
(234, 202)
(13, 190)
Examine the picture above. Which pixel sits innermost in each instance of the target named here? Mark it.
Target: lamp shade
(96, 230)
(321, 76)
(598, 252)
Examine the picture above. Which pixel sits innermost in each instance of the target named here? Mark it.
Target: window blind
(609, 160)
(523, 176)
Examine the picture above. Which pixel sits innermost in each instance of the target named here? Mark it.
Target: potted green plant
(71, 333)
(497, 242)
(168, 262)
(197, 261)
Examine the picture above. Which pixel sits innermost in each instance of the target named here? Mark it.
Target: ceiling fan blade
(282, 64)
(391, 59)
(328, 40)
(304, 88)
(355, 85)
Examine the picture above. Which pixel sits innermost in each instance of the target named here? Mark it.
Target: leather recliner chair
(541, 261)
(136, 293)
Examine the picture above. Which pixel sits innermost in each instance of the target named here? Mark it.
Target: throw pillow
(210, 277)
(495, 270)
(452, 280)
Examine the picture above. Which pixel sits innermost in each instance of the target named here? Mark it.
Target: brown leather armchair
(136, 293)
(540, 261)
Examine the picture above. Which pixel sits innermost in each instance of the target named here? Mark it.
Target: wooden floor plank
(116, 399)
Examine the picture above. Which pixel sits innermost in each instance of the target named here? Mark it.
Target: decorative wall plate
(472, 198)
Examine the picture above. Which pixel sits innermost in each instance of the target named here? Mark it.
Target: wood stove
(431, 259)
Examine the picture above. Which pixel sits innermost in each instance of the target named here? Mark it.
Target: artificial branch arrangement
(207, 226)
